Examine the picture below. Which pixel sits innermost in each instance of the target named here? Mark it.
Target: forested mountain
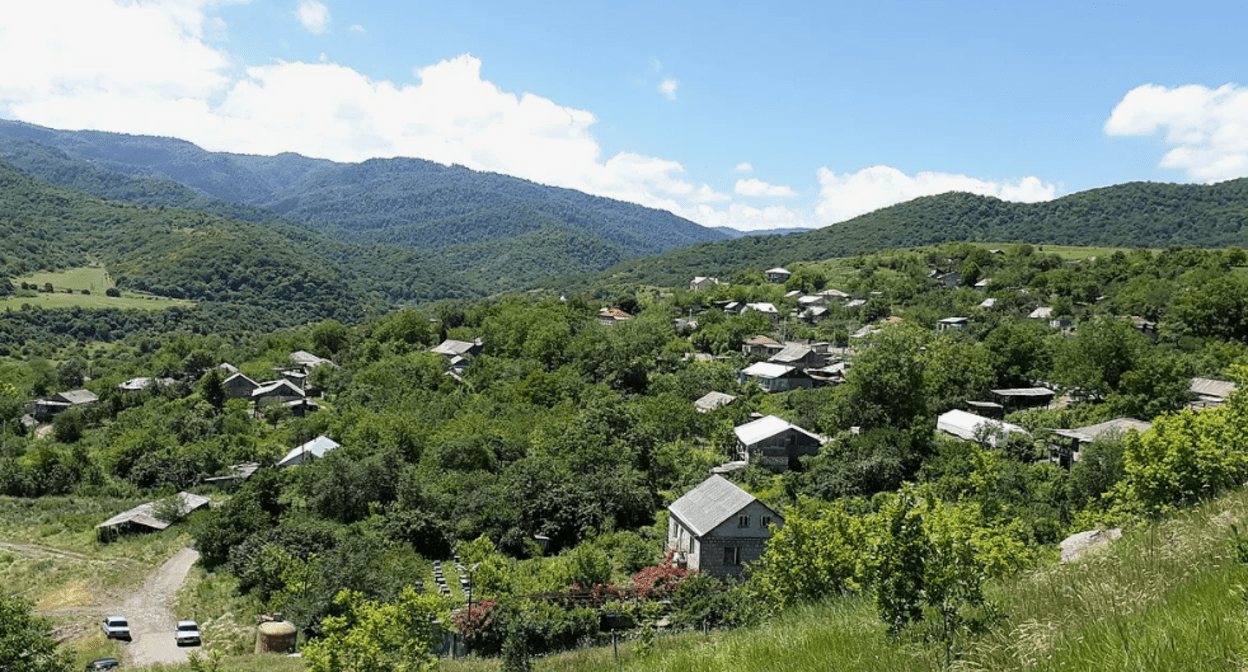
(409, 203)
(1136, 214)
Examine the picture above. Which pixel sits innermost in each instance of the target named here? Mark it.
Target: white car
(188, 633)
(116, 627)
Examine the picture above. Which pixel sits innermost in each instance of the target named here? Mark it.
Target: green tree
(372, 636)
(24, 642)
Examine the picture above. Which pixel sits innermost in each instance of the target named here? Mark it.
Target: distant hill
(1136, 214)
(737, 233)
(502, 232)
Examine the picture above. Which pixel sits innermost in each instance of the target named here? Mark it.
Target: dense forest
(528, 231)
(580, 433)
(1137, 214)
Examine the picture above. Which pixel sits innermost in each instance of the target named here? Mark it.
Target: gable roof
(240, 376)
(1041, 312)
(145, 514)
(767, 370)
(761, 340)
(778, 269)
(713, 400)
(713, 501)
(792, 352)
(316, 448)
(964, 425)
(766, 427)
(76, 397)
(305, 358)
(1093, 432)
(763, 307)
(452, 347)
(276, 386)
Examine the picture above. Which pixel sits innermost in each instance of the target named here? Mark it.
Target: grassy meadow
(69, 285)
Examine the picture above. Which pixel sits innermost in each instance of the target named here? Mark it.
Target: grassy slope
(1167, 596)
(92, 278)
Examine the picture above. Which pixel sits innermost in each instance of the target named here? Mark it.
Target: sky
(754, 115)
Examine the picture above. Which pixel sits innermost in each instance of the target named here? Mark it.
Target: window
(732, 555)
(766, 522)
(743, 521)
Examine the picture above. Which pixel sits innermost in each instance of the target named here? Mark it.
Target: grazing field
(68, 287)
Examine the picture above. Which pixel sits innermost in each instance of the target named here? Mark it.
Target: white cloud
(744, 167)
(1208, 128)
(747, 218)
(357, 28)
(668, 88)
(843, 197)
(313, 16)
(757, 187)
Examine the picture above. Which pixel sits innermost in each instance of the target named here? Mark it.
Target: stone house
(774, 443)
(716, 528)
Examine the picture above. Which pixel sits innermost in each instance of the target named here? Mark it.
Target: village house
(276, 391)
(303, 454)
(46, 408)
(612, 315)
(308, 361)
(774, 443)
(700, 283)
(950, 279)
(777, 275)
(239, 386)
(761, 346)
(1041, 313)
(834, 294)
(143, 383)
(767, 309)
(451, 348)
(716, 528)
(1067, 449)
(774, 377)
(1210, 393)
(948, 323)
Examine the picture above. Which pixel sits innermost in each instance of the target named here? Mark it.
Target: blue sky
(753, 115)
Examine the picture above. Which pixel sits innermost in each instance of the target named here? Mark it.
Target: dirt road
(150, 610)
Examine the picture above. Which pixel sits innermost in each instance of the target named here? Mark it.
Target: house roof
(305, 358)
(145, 514)
(1207, 387)
(855, 303)
(984, 283)
(796, 292)
(1041, 312)
(275, 386)
(1025, 392)
(237, 472)
(239, 375)
(451, 347)
(988, 303)
(713, 400)
(1093, 432)
(227, 367)
(614, 313)
(76, 397)
(778, 269)
(834, 293)
(807, 300)
(142, 383)
(953, 320)
(767, 370)
(316, 448)
(792, 352)
(715, 500)
(761, 340)
(965, 425)
(766, 427)
(762, 307)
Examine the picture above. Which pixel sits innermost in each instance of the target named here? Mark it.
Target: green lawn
(94, 279)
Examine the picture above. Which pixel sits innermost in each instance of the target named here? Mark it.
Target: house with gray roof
(775, 443)
(716, 528)
(774, 377)
(1066, 445)
(44, 409)
(777, 275)
(1209, 392)
(239, 386)
(799, 356)
(145, 517)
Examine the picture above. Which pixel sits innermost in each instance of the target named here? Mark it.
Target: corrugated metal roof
(1025, 392)
(713, 400)
(78, 396)
(145, 514)
(1207, 387)
(766, 370)
(761, 340)
(965, 425)
(766, 427)
(1043, 312)
(762, 307)
(715, 500)
(1120, 425)
(316, 448)
(778, 269)
(273, 386)
(792, 352)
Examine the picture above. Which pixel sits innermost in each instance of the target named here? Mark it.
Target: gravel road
(150, 610)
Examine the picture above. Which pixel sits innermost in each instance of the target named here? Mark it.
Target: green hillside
(1137, 214)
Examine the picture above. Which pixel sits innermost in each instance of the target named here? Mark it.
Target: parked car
(116, 627)
(188, 633)
(103, 664)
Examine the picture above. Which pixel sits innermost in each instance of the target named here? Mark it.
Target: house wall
(750, 541)
(238, 388)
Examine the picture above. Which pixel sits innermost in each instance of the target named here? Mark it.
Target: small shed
(947, 323)
(143, 518)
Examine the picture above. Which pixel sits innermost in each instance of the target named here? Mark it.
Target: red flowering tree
(659, 581)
